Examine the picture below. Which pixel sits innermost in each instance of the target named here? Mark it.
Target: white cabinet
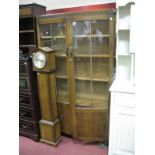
(122, 119)
(122, 106)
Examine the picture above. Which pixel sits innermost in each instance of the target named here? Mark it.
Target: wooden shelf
(59, 37)
(101, 79)
(82, 102)
(93, 55)
(93, 79)
(103, 35)
(63, 99)
(93, 35)
(27, 45)
(26, 31)
(61, 76)
(60, 54)
(85, 55)
(82, 78)
(46, 37)
(54, 37)
(123, 29)
(123, 54)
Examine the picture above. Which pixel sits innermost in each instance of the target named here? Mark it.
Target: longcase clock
(44, 65)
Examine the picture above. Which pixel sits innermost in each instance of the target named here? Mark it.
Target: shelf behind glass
(52, 37)
(61, 76)
(46, 43)
(85, 102)
(60, 54)
(86, 78)
(63, 99)
(102, 55)
(93, 35)
(82, 78)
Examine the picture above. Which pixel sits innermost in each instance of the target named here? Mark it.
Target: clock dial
(39, 59)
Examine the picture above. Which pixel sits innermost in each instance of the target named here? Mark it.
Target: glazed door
(53, 33)
(92, 56)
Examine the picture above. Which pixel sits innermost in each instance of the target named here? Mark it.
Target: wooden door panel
(91, 124)
(65, 116)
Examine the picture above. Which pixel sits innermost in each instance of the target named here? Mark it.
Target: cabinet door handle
(67, 51)
(70, 53)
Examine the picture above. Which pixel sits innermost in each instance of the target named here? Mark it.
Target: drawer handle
(21, 99)
(22, 113)
(24, 126)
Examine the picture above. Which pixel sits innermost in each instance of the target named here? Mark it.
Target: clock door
(54, 35)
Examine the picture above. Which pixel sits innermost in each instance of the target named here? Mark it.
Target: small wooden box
(31, 10)
(50, 132)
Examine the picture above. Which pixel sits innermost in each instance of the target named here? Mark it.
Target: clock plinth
(49, 123)
(50, 132)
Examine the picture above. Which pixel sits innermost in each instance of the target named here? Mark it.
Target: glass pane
(100, 94)
(53, 35)
(45, 30)
(82, 92)
(58, 29)
(81, 37)
(81, 28)
(46, 43)
(46, 35)
(100, 67)
(59, 37)
(62, 90)
(100, 36)
(100, 45)
(82, 68)
(59, 44)
(61, 69)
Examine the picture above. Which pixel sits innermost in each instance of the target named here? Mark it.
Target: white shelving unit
(122, 109)
(124, 51)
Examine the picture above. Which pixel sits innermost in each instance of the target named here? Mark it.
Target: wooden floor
(68, 146)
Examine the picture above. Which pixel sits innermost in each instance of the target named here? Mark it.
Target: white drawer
(124, 99)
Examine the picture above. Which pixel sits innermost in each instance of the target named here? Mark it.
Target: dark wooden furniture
(49, 123)
(84, 49)
(27, 26)
(33, 9)
(29, 108)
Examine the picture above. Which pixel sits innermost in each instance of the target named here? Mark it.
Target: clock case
(49, 123)
(50, 60)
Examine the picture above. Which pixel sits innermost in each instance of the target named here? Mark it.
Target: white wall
(57, 4)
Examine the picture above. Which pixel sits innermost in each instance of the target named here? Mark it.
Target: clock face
(39, 59)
